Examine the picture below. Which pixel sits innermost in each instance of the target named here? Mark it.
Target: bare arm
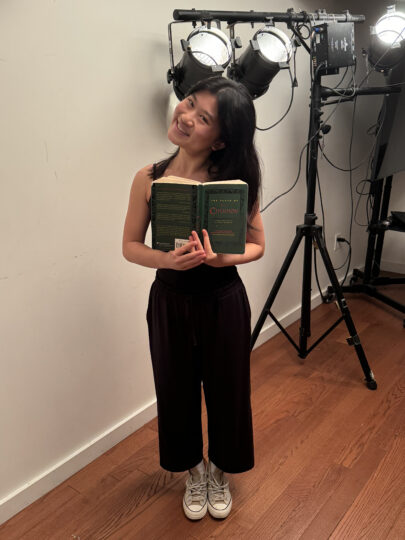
(136, 225)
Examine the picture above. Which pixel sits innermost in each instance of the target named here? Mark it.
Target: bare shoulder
(138, 213)
(144, 174)
(142, 181)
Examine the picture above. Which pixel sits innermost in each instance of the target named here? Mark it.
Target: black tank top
(202, 278)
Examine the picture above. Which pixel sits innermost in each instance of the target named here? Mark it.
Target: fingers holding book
(185, 257)
(212, 259)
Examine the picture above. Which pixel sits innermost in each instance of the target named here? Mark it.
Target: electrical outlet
(337, 245)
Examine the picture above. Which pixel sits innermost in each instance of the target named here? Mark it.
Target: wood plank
(398, 528)
(98, 517)
(132, 444)
(299, 502)
(383, 495)
(334, 507)
(22, 524)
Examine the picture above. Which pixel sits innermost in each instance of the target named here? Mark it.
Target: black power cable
(348, 258)
(288, 108)
(300, 157)
(293, 85)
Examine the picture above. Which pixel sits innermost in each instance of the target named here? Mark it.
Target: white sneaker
(195, 496)
(219, 496)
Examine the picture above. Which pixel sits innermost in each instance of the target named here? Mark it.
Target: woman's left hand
(213, 259)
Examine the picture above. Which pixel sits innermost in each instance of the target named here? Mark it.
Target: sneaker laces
(218, 492)
(196, 491)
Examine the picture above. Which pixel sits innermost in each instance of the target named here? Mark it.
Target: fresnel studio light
(268, 52)
(387, 40)
(207, 52)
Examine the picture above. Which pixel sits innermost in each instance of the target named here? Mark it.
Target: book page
(222, 182)
(176, 180)
(179, 180)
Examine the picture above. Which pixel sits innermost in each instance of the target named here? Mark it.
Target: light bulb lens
(274, 45)
(210, 46)
(390, 28)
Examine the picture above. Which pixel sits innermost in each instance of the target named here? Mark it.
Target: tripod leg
(354, 338)
(276, 286)
(305, 328)
(376, 191)
(383, 216)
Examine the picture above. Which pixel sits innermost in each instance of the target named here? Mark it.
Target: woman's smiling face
(195, 125)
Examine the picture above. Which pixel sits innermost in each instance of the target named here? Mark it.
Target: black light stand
(368, 281)
(312, 234)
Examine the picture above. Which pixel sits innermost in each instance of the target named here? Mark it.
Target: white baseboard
(34, 489)
(392, 266)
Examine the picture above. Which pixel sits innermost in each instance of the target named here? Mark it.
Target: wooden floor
(330, 454)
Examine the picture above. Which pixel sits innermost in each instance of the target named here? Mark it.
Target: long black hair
(237, 123)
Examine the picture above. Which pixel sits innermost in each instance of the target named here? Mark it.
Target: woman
(198, 313)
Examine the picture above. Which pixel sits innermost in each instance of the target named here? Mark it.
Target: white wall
(83, 97)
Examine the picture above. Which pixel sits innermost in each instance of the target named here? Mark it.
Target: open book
(180, 205)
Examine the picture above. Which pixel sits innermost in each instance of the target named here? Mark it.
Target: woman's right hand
(184, 258)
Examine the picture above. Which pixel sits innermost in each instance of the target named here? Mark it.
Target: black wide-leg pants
(196, 338)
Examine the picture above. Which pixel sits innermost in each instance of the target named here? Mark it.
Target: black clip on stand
(312, 234)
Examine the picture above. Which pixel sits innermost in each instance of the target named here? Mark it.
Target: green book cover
(179, 205)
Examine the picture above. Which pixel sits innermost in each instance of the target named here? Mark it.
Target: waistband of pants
(219, 292)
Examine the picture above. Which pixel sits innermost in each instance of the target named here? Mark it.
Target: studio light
(390, 27)
(387, 40)
(268, 52)
(207, 52)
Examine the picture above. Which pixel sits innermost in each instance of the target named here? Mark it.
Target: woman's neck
(192, 167)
